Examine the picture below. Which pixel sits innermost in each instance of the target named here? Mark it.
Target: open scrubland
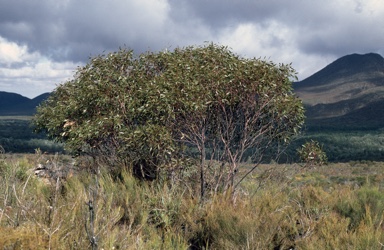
(163, 143)
(335, 206)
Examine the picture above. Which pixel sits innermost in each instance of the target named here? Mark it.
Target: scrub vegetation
(335, 206)
(166, 150)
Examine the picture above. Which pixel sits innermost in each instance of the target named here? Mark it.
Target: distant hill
(15, 104)
(346, 94)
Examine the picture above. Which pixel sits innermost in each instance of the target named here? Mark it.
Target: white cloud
(11, 52)
(30, 73)
(270, 41)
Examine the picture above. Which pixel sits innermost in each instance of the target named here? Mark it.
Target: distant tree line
(17, 136)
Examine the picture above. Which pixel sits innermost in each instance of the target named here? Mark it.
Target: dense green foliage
(146, 111)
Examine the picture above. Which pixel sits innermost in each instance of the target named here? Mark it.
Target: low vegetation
(338, 206)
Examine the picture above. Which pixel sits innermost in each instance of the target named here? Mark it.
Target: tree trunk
(202, 165)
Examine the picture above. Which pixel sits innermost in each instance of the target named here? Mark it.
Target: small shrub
(366, 203)
(312, 153)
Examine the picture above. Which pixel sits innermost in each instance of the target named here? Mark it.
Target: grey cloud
(73, 30)
(341, 38)
(329, 27)
(76, 29)
(218, 13)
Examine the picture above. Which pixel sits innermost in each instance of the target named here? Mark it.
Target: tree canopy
(144, 111)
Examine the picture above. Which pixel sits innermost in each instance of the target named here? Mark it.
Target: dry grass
(339, 206)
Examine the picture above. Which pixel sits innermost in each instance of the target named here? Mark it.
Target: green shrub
(366, 203)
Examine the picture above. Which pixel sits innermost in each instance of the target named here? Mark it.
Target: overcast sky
(42, 42)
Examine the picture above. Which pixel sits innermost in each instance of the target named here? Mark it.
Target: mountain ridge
(346, 67)
(346, 93)
(13, 104)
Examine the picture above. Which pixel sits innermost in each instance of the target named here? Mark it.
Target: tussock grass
(298, 209)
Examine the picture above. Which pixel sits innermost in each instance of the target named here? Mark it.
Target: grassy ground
(338, 206)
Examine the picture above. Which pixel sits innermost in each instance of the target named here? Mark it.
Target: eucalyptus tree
(143, 111)
(228, 105)
(109, 111)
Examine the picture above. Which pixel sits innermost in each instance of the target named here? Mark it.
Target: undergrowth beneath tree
(339, 206)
